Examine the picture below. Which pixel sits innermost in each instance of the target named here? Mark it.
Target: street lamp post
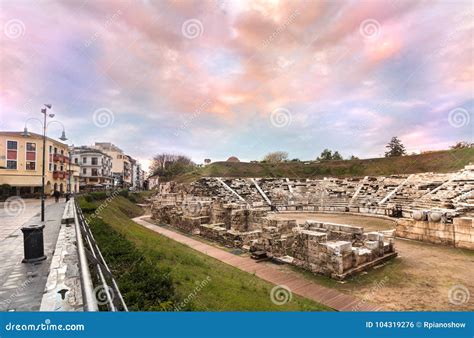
(45, 125)
(70, 170)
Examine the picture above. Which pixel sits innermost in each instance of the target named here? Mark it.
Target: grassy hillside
(441, 161)
(227, 289)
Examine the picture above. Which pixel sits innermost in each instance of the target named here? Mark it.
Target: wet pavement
(22, 284)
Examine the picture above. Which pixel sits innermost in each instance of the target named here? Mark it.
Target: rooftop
(31, 136)
(108, 146)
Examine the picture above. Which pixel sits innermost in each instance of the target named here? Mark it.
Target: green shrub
(134, 198)
(99, 195)
(144, 285)
(86, 204)
(5, 190)
(124, 193)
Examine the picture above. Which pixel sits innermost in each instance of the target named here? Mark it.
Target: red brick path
(297, 284)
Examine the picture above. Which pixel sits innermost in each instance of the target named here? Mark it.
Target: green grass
(228, 289)
(144, 285)
(440, 161)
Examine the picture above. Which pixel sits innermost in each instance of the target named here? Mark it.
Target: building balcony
(59, 175)
(60, 158)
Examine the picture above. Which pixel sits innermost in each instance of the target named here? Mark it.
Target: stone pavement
(12, 217)
(22, 285)
(297, 284)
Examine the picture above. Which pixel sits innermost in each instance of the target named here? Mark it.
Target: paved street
(22, 285)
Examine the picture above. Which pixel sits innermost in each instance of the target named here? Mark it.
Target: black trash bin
(33, 243)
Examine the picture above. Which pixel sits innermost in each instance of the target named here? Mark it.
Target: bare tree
(276, 157)
(167, 164)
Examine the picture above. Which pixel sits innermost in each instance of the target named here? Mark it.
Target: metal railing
(99, 288)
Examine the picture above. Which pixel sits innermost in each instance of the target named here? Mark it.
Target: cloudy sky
(217, 78)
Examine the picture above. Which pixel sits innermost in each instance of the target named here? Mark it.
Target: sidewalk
(297, 284)
(22, 285)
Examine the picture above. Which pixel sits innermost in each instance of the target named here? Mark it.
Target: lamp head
(25, 132)
(48, 105)
(63, 136)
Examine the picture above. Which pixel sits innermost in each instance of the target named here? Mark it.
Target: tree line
(167, 165)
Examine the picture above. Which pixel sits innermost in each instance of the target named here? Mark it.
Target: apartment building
(95, 168)
(138, 176)
(122, 164)
(128, 165)
(21, 164)
(74, 181)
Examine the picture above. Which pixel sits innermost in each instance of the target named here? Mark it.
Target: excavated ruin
(431, 207)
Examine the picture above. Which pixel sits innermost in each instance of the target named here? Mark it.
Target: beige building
(21, 164)
(128, 165)
(122, 164)
(74, 171)
(95, 168)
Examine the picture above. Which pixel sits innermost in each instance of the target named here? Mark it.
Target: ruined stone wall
(459, 233)
(433, 208)
(335, 250)
(464, 232)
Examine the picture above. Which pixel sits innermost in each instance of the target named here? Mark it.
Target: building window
(94, 172)
(12, 154)
(94, 161)
(84, 160)
(55, 150)
(84, 171)
(76, 160)
(50, 158)
(30, 156)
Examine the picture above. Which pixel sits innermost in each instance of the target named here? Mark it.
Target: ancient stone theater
(237, 213)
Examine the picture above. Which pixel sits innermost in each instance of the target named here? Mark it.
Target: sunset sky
(211, 79)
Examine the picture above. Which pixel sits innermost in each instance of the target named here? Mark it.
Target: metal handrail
(106, 281)
(104, 263)
(90, 302)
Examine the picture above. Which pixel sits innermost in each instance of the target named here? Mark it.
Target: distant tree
(326, 155)
(353, 157)
(276, 157)
(336, 156)
(395, 148)
(295, 160)
(167, 165)
(462, 145)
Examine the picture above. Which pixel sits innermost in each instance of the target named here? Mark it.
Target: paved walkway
(22, 285)
(297, 284)
(16, 213)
